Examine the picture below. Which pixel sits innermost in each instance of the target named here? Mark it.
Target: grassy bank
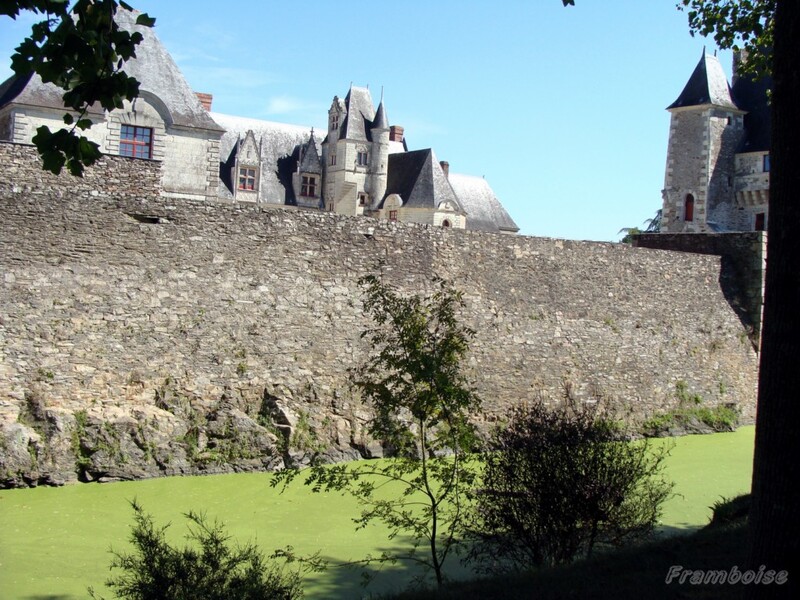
(55, 541)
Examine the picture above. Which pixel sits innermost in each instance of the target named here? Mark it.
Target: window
(308, 186)
(363, 198)
(334, 122)
(247, 178)
(688, 208)
(761, 222)
(446, 223)
(135, 142)
(330, 207)
(362, 158)
(333, 159)
(766, 163)
(393, 215)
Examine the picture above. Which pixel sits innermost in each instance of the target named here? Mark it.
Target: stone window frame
(363, 199)
(362, 157)
(334, 122)
(247, 178)
(332, 160)
(308, 186)
(137, 117)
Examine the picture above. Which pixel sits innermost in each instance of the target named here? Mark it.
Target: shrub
(210, 569)
(558, 482)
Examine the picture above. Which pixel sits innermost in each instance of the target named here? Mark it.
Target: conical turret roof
(707, 85)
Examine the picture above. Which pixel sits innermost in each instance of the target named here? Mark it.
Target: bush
(209, 570)
(558, 482)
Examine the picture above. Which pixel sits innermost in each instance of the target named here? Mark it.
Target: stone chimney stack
(445, 167)
(396, 133)
(205, 100)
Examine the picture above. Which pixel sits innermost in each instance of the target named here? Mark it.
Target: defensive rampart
(141, 337)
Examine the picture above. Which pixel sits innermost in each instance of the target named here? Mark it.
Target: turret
(705, 130)
(379, 167)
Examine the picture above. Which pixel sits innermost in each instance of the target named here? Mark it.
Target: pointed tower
(379, 169)
(705, 131)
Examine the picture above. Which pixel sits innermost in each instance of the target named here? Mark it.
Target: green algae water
(54, 542)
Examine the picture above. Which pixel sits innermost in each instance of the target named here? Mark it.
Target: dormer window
(362, 158)
(308, 186)
(247, 178)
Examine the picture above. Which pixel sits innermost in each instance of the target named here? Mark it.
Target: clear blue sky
(561, 109)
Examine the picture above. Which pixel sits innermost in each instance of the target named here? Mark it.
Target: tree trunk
(774, 522)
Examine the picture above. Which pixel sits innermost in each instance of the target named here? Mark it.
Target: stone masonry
(141, 336)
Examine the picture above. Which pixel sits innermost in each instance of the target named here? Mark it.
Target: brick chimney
(445, 167)
(396, 133)
(205, 100)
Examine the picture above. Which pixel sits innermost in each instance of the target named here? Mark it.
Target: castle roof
(380, 121)
(419, 180)
(360, 115)
(161, 82)
(309, 161)
(279, 144)
(707, 85)
(484, 210)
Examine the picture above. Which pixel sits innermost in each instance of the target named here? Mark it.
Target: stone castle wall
(109, 177)
(141, 336)
(744, 263)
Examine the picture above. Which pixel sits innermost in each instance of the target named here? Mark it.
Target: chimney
(205, 100)
(396, 133)
(445, 167)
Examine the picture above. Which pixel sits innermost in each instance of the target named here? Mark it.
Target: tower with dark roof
(355, 153)
(706, 128)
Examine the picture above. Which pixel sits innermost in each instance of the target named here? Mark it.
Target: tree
(774, 521)
(557, 482)
(209, 570)
(82, 50)
(413, 381)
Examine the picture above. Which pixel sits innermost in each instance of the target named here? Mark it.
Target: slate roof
(419, 180)
(32, 91)
(279, 154)
(484, 210)
(380, 121)
(751, 96)
(153, 67)
(357, 124)
(707, 85)
(310, 162)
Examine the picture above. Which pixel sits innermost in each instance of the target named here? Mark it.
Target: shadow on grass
(50, 597)
(383, 580)
(632, 573)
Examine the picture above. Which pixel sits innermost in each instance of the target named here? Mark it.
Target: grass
(54, 541)
(630, 574)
